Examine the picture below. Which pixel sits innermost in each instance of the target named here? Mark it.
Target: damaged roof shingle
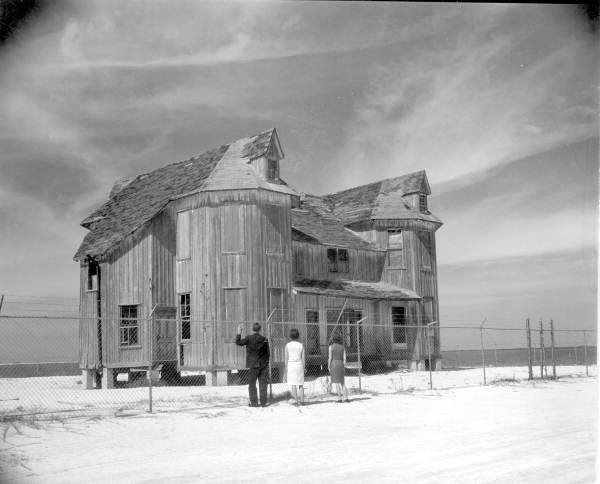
(134, 202)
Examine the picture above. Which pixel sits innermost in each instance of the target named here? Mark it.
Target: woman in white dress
(294, 366)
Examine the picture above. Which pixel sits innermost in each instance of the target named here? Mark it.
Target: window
(129, 326)
(427, 311)
(395, 239)
(312, 332)
(93, 272)
(183, 235)
(422, 202)
(276, 302)
(185, 314)
(343, 260)
(399, 326)
(272, 170)
(426, 239)
(395, 256)
(332, 260)
(338, 260)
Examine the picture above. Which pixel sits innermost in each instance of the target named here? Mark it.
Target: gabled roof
(135, 202)
(381, 200)
(315, 219)
(264, 144)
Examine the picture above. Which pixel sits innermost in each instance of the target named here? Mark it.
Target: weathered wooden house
(221, 238)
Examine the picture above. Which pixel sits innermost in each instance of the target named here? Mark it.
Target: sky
(497, 102)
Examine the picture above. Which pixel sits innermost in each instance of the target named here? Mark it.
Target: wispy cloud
(480, 98)
(98, 91)
(539, 204)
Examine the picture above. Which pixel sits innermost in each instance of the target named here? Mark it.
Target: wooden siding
(368, 308)
(126, 277)
(310, 262)
(230, 251)
(415, 274)
(163, 261)
(238, 246)
(164, 300)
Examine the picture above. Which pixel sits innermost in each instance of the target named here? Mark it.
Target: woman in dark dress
(336, 364)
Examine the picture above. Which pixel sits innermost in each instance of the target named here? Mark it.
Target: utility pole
(482, 350)
(530, 366)
(542, 356)
(553, 354)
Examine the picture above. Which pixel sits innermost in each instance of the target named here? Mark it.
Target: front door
(347, 324)
(165, 328)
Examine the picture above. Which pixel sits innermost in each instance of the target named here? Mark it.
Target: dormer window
(422, 202)
(272, 169)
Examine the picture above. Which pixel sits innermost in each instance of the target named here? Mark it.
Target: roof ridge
(375, 182)
(197, 156)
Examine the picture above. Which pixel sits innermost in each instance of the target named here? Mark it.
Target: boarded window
(395, 258)
(312, 332)
(233, 228)
(234, 311)
(423, 203)
(185, 315)
(183, 235)
(129, 326)
(274, 226)
(399, 325)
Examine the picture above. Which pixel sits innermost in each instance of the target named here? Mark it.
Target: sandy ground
(397, 431)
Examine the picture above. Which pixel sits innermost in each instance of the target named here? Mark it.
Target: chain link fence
(76, 366)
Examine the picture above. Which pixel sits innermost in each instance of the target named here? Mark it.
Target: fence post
(482, 350)
(553, 353)
(585, 353)
(150, 338)
(270, 339)
(541, 349)
(358, 326)
(429, 329)
(530, 365)
(1, 301)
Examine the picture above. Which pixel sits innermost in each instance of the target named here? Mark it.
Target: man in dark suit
(257, 359)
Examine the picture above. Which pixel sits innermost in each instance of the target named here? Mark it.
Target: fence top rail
(364, 324)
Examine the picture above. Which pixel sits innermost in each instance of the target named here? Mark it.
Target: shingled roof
(135, 202)
(359, 289)
(381, 200)
(315, 219)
